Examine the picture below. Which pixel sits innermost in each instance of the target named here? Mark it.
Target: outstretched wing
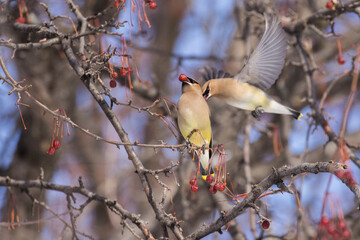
(267, 60)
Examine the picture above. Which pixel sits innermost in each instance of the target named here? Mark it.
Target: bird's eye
(207, 91)
(193, 81)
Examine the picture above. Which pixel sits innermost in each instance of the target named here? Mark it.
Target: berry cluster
(334, 228)
(126, 71)
(112, 81)
(123, 72)
(219, 186)
(194, 186)
(55, 145)
(57, 132)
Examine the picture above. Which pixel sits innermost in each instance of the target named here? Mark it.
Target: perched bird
(194, 121)
(246, 89)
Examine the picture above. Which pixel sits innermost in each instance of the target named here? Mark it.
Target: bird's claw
(188, 144)
(257, 112)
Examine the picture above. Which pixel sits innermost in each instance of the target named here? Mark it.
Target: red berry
(183, 77)
(117, 3)
(331, 229)
(324, 221)
(346, 234)
(336, 235)
(20, 20)
(265, 225)
(51, 151)
(212, 189)
(152, 5)
(114, 75)
(112, 83)
(194, 188)
(56, 144)
(123, 72)
(129, 70)
(341, 60)
(193, 181)
(329, 5)
(341, 224)
(219, 186)
(209, 178)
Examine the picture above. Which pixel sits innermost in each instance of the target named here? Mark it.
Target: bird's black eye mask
(193, 81)
(189, 81)
(206, 92)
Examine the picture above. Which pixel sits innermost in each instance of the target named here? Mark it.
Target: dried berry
(194, 188)
(212, 189)
(56, 144)
(219, 186)
(193, 181)
(152, 5)
(341, 60)
(51, 151)
(324, 221)
(209, 178)
(265, 225)
(114, 75)
(123, 72)
(330, 5)
(112, 83)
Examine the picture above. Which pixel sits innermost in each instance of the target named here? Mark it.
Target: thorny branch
(263, 186)
(249, 201)
(18, 88)
(113, 205)
(164, 218)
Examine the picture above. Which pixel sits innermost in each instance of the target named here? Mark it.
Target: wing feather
(267, 60)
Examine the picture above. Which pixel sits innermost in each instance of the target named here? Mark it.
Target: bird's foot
(257, 112)
(188, 144)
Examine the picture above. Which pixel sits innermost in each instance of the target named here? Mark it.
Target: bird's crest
(209, 73)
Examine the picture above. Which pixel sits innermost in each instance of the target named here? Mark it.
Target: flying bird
(246, 90)
(194, 121)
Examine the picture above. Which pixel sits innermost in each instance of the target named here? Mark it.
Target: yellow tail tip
(204, 176)
(300, 115)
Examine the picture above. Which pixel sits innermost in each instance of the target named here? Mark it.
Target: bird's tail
(297, 115)
(205, 165)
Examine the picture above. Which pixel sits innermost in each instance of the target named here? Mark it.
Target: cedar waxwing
(194, 118)
(246, 89)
